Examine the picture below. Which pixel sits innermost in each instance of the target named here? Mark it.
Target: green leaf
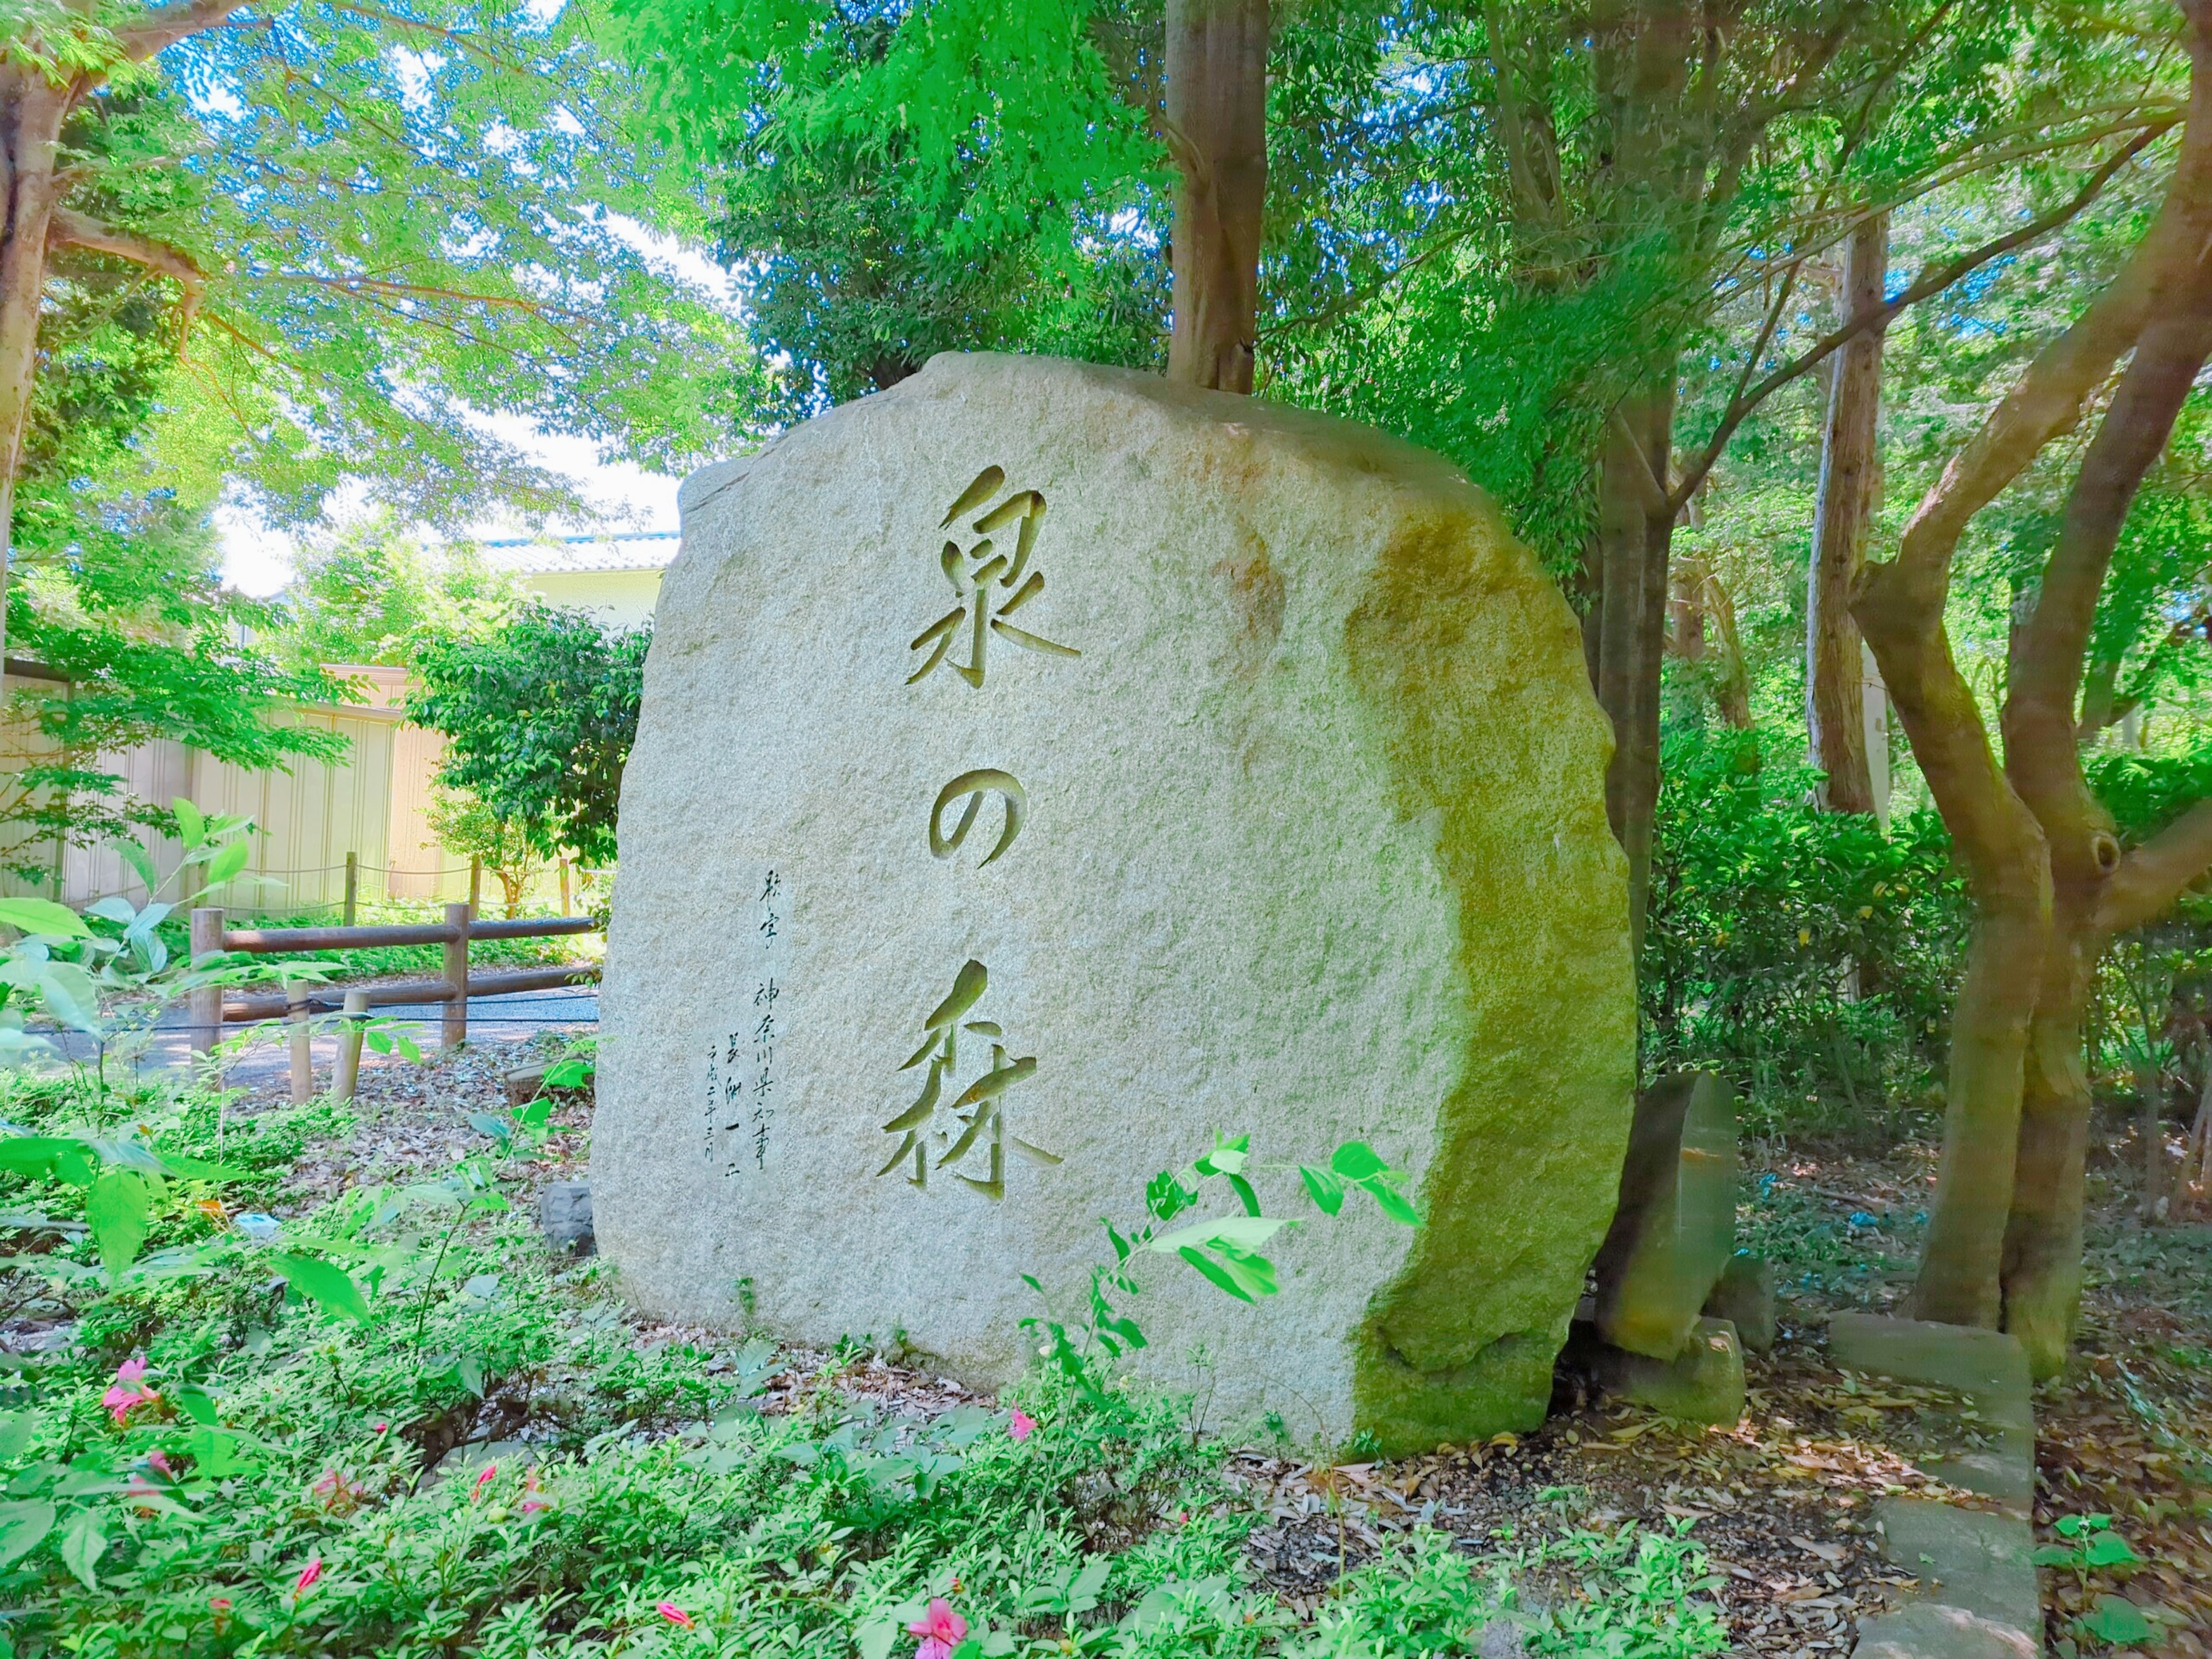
(191, 826)
(1243, 1232)
(135, 855)
(37, 916)
(2117, 1620)
(2108, 1549)
(22, 1527)
(84, 1541)
(1356, 1161)
(227, 863)
(17, 1429)
(2056, 1555)
(1324, 1188)
(33, 1155)
(320, 1282)
(196, 1402)
(1245, 1196)
(116, 1211)
(70, 996)
(1392, 1203)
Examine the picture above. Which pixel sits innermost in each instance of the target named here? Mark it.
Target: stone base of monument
(1702, 1384)
(1978, 1597)
(1673, 1229)
(1745, 1298)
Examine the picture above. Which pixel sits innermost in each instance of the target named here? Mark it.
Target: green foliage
(1225, 1251)
(1764, 910)
(464, 824)
(368, 594)
(538, 720)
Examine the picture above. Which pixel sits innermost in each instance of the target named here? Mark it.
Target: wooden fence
(210, 1011)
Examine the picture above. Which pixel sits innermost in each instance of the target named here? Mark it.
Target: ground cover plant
(277, 1411)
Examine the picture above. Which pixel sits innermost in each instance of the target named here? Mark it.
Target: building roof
(546, 555)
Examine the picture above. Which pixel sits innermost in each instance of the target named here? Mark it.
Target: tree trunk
(2042, 1270)
(1634, 529)
(1217, 130)
(31, 113)
(1835, 713)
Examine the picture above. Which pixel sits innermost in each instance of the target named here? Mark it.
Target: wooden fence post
(348, 1079)
(353, 887)
(455, 1032)
(206, 1007)
(302, 1038)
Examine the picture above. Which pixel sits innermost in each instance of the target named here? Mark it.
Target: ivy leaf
(2108, 1549)
(2117, 1620)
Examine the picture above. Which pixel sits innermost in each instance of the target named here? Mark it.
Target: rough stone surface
(1702, 1384)
(1745, 1298)
(1674, 1229)
(1928, 1629)
(564, 1215)
(1964, 1557)
(1313, 846)
(1989, 1367)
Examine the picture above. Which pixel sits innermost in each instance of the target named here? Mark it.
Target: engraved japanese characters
(1207, 766)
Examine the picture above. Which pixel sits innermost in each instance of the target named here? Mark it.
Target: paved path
(491, 1019)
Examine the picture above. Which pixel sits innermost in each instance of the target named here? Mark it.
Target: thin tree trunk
(1216, 130)
(1635, 528)
(31, 112)
(1835, 713)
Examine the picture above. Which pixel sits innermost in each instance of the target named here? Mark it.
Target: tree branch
(159, 30)
(2158, 872)
(1931, 281)
(68, 229)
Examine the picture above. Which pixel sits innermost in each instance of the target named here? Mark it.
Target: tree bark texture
(31, 113)
(1635, 528)
(34, 220)
(1216, 130)
(2048, 881)
(1835, 711)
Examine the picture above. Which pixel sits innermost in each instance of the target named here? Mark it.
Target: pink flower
(482, 1481)
(156, 1460)
(938, 1628)
(220, 1606)
(308, 1574)
(381, 1427)
(674, 1615)
(1022, 1426)
(126, 1391)
(532, 1502)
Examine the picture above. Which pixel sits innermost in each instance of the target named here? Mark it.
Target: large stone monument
(1044, 767)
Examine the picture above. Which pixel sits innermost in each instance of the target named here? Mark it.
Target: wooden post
(455, 1031)
(206, 1007)
(476, 887)
(348, 1079)
(353, 887)
(303, 1035)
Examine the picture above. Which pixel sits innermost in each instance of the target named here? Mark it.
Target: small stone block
(1745, 1298)
(1674, 1229)
(1927, 1630)
(1703, 1383)
(526, 1083)
(1988, 1367)
(1964, 1557)
(564, 1215)
(1959, 1357)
